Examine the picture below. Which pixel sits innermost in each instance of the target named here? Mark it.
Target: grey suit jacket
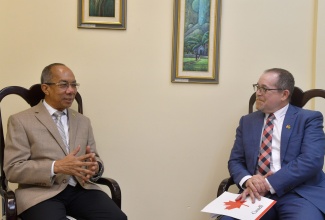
(33, 142)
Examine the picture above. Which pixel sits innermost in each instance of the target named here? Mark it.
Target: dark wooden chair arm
(114, 187)
(224, 185)
(9, 198)
(9, 204)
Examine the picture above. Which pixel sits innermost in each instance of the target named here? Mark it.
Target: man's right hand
(256, 187)
(76, 166)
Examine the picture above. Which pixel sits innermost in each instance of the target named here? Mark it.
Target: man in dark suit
(289, 167)
(54, 159)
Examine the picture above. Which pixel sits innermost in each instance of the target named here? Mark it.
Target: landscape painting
(196, 41)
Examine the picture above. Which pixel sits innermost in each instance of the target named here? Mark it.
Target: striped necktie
(264, 159)
(58, 115)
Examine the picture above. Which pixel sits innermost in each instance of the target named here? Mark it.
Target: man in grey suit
(54, 158)
(287, 166)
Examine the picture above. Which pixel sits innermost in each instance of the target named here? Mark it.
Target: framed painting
(196, 36)
(102, 14)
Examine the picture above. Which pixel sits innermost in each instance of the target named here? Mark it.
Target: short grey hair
(47, 73)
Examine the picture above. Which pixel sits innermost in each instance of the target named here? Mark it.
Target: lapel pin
(288, 127)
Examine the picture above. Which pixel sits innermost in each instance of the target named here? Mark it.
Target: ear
(285, 95)
(45, 88)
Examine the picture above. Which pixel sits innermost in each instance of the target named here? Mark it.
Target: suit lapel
(257, 129)
(73, 124)
(287, 128)
(42, 114)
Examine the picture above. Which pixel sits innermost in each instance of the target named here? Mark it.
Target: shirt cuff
(52, 170)
(243, 180)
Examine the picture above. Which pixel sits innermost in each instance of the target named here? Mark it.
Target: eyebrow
(263, 85)
(67, 81)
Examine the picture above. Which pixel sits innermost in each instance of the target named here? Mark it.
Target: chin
(67, 104)
(259, 108)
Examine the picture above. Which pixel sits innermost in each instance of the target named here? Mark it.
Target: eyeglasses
(262, 89)
(65, 85)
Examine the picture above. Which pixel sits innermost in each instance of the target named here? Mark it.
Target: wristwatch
(99, 174)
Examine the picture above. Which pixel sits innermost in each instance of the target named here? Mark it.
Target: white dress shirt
(64, 120)
(276, 143)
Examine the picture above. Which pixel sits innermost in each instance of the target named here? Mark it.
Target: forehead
(62, 73)
(268, 79)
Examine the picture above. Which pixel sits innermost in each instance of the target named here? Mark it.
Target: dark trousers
(76, 202)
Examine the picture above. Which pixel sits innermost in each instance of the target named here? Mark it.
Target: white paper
(226, 204)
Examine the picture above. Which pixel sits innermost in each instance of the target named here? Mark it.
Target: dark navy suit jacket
(301, 153)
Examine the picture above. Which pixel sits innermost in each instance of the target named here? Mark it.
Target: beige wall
(166, 144)
(320, 53)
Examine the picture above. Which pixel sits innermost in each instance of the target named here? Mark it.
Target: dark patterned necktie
(264, 159)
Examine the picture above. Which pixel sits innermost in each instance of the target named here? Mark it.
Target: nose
(258, 92)
(70, 89)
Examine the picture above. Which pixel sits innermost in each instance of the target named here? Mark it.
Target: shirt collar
(280, 113)
(51, 109)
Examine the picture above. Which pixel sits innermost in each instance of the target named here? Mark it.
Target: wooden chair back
(299, 98)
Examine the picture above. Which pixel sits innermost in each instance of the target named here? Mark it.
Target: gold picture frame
(102, 14)
(196, 37)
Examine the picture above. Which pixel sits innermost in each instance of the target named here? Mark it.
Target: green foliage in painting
(196, 35)
(102, 8)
